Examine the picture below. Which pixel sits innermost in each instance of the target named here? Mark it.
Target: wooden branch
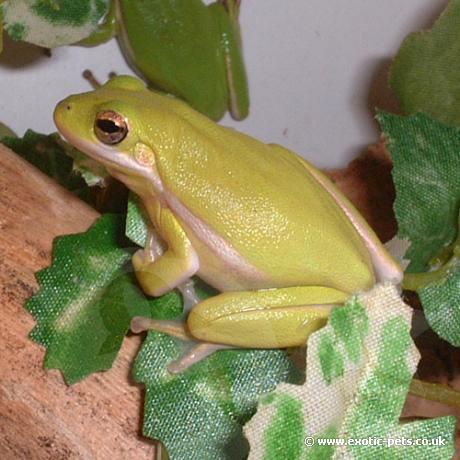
(40, 417)
(100, 418)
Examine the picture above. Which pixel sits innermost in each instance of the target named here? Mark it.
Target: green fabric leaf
(440, 301)
(355, 391)
(426, 173)
(136, 221)
(1, 26)
(86, 300)
(439, 292)
(92, 172)
(49, 154)
(198, 415)
(51, 23)
(425, 72)
(4, 130)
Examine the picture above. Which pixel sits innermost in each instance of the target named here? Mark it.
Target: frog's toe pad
(194, 355)
(140, 324)
(175, 328)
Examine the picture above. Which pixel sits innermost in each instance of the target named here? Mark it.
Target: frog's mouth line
(111, 158)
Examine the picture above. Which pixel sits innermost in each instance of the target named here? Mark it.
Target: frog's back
(262, 201)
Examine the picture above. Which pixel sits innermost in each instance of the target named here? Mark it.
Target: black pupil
(109, 126)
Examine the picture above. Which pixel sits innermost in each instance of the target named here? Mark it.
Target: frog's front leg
(273, 318)
(158, 275)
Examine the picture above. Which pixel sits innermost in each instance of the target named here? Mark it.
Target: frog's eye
(110, 127)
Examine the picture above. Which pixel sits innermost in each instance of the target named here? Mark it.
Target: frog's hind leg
(386, 268)
(270, 318)
(175, 328)
(194, 354)
(189, 296)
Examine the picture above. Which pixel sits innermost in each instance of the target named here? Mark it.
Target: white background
(317, 69)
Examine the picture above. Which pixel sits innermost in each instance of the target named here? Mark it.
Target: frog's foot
(189, 295)
(195, 351)
(272, 318)
(175, 328)
(195, 354)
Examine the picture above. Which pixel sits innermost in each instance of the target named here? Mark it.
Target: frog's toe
(139, 259)
(193, 351)
(140, 324)
(198, 352)
(175, 328)
(189, 296)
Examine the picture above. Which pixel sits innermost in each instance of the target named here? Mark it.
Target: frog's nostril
(68, 107)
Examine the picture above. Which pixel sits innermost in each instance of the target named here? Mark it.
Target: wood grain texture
(40, 417)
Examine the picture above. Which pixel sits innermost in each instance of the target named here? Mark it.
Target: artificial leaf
(5, 131)
(359, 369)
(425, 72)
(439, 292)
(86, 300)
(49, 155)
(1, 26)
(93, 172)
(198, 414)
(51, 23)
(426, 173)
(440, 301)
(136, 221)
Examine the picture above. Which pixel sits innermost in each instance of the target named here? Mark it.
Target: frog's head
(121, 125)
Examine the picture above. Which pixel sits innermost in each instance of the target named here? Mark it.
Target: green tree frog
(256, 221)
(184, 47)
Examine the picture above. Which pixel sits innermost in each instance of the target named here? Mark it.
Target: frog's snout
(64, 108)
(65, 117)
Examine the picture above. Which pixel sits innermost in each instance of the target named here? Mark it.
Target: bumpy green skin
(181, 48)
(362, 398)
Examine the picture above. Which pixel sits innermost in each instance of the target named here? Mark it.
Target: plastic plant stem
(437, 392)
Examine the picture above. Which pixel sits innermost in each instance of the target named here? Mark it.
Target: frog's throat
(114, 160)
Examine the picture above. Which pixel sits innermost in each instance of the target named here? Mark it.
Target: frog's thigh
(274, 318)
(386, 268)
(173, 267)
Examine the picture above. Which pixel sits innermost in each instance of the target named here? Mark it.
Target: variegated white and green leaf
(52, 23)
(359, 368)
